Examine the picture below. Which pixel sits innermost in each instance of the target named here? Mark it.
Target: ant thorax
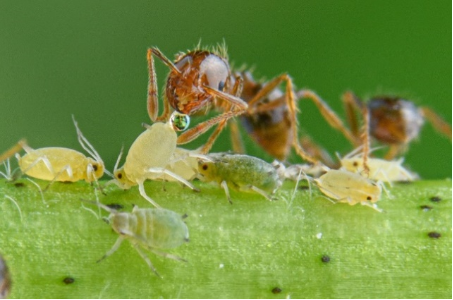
(185, 90)
(394, 120)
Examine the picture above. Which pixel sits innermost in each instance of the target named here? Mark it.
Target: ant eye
(180, 121)
(221, 85)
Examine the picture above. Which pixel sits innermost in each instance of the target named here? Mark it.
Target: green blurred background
(87, 58)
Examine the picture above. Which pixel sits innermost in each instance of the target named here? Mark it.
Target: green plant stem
(243, 250)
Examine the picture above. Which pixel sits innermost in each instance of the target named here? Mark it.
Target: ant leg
(437, 122)
(13, 150)
(317, 152)
(153, 99)
(266, 90)
(206, 147)
(394, 150)
(352, 103)
(235, 134)
(329, 115)
(366, 139)
(113, 249)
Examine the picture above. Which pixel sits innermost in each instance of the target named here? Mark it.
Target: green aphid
(240, 172)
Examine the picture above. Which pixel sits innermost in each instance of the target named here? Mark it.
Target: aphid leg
(261, 192)
(153, 99)
(393, 151)
(141, 188)
(175, 176)
(13, 150)
(329, 115)
(351, 104)
(39, 189)
(113, 249)
(17, 205)
(167, 255)
(146, 259)
(438, 123)
(66, 169)
(372, 205)
(227, 192)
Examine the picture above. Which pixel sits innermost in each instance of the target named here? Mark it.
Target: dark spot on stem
(435, 199)
(115, 206)
(325, 258)
(426, 207)
(434, 235)
(68, 280)
(276, 290)
(19, 184)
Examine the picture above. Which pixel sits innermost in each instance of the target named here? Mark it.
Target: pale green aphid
(240, 172)
(153, 229)
(62, 164)
(351, 188)
(149, 156)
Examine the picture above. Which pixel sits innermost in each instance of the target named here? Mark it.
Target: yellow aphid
(149, 156)
(184, 163)
(62, 164)
(152, 229)
(347, 187)
(379, 169)
(240, 172)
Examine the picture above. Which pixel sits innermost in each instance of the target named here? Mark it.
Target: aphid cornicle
(198, 80)
(63, 164)
(149, 155)
(240, 172)
(153, 229)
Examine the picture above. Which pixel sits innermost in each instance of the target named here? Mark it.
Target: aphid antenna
(85, 143)
(98, 204)
(15, 203)
(115, 168)
(7, 174)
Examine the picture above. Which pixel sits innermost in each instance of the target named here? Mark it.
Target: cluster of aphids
(201, 80)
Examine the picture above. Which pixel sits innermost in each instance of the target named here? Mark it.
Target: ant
(198, 80)
(394, 121)
(271, 116)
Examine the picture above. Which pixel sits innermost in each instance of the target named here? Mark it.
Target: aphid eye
(119, 176)
(205, 167)
(369, 198)
(95, 168)
(221, 85)
(180, 122)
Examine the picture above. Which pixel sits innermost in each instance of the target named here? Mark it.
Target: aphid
(271, 116)
(153, 229)
(379, 169)
(149, 155)
(240, 172)
(347, 187)
(13, 150)
(393, 121)
(198, 80)
(5, 279)
(62, 164)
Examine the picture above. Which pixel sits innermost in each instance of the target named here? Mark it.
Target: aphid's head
(206, 170)
(121, 179)
(352, 164)
(119, 222)
(96, 170)
(179, 121)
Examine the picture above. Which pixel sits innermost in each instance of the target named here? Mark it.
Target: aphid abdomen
(160, 228)
(152, 149)
(59, 158)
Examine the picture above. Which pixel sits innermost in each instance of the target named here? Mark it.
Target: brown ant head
(198, 69)
(394, 120)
